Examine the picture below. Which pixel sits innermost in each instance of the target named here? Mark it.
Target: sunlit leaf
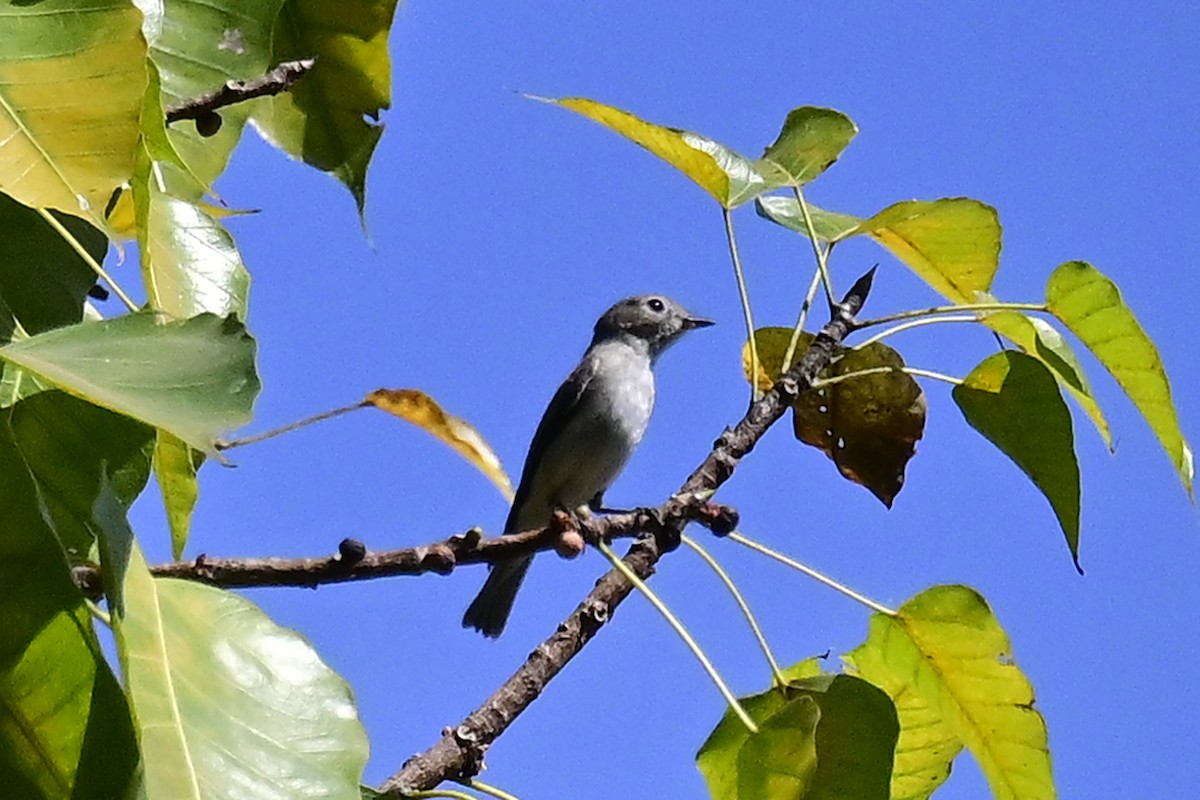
(1040, 339)
(323, 119)
(729, 177)
(71, 82)
(948, 664)
(824, 737)
(811, 140)
(827, 225)
(197, 46)
(65, 728)
(1090, 305)
(1013, 400)
(772, 345)
(953, 244)
(423, 411)
(194, 378)
(229, 703)
(175, 466)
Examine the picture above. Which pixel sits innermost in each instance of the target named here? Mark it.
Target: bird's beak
(696, 322)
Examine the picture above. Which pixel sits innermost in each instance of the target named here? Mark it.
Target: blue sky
(500, 228)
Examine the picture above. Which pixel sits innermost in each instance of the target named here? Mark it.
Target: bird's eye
(655, 304)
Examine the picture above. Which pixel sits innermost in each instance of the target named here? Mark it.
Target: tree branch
(279, 79)
(354, 562)
(458, 755)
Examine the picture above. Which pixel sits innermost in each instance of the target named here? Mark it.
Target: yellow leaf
(421, 410)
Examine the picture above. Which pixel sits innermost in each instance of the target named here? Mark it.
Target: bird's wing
(554, 421)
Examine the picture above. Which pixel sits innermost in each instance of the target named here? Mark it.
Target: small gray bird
(590, 429)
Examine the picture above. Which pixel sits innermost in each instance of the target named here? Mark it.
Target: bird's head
(651, 318)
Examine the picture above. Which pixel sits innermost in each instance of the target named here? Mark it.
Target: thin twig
(279, 79)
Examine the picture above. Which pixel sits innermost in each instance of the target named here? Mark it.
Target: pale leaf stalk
(87, 258)
(800, 320)
(928, 312)
(810, 572)
(452, 793)
(822, 262)
(755, 393)
(488, 789)
(916, 372)
(674, 622)
(271, 434)
(780, 680)
(916, 323)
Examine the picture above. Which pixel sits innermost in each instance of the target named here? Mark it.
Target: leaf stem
(229, 444)
(800, 320)
(822, 263)
(925, 312)
(70, 239)
(755, 392)
(487, 788)
(821, 383)
(452, 793)
(780, 680)
(658, 604)
(916, 323)
(810, 572)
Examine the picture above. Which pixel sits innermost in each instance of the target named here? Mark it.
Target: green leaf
(176, 465)
(829, 226)
(1013, 400)
(1040, 339)
(197, 46)
(729, 177)
(71, 82)
(194, 378)
(323, 119)
(948, 665)
(229, 703)
(65, 728)
(68, 445)
(953, 244)
(811, 140)
(826, 737)
(1090, 305)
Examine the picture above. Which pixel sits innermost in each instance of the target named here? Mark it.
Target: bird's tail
(489, 610)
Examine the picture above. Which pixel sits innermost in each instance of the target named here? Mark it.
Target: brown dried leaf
(868, 425)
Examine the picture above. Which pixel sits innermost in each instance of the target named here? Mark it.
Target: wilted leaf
(827, 737)
(323, 118)
(71, 83)
(728, 176)
(421, 410)
(1040, 339)
(1013, 400)
(948, 664)
(1090, 305)
(830, 226)
(229, 703)
(811, 140)
(953, 244)
(194, 378)
(868, 425)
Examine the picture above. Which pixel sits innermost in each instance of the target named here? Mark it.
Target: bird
(587, 434)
